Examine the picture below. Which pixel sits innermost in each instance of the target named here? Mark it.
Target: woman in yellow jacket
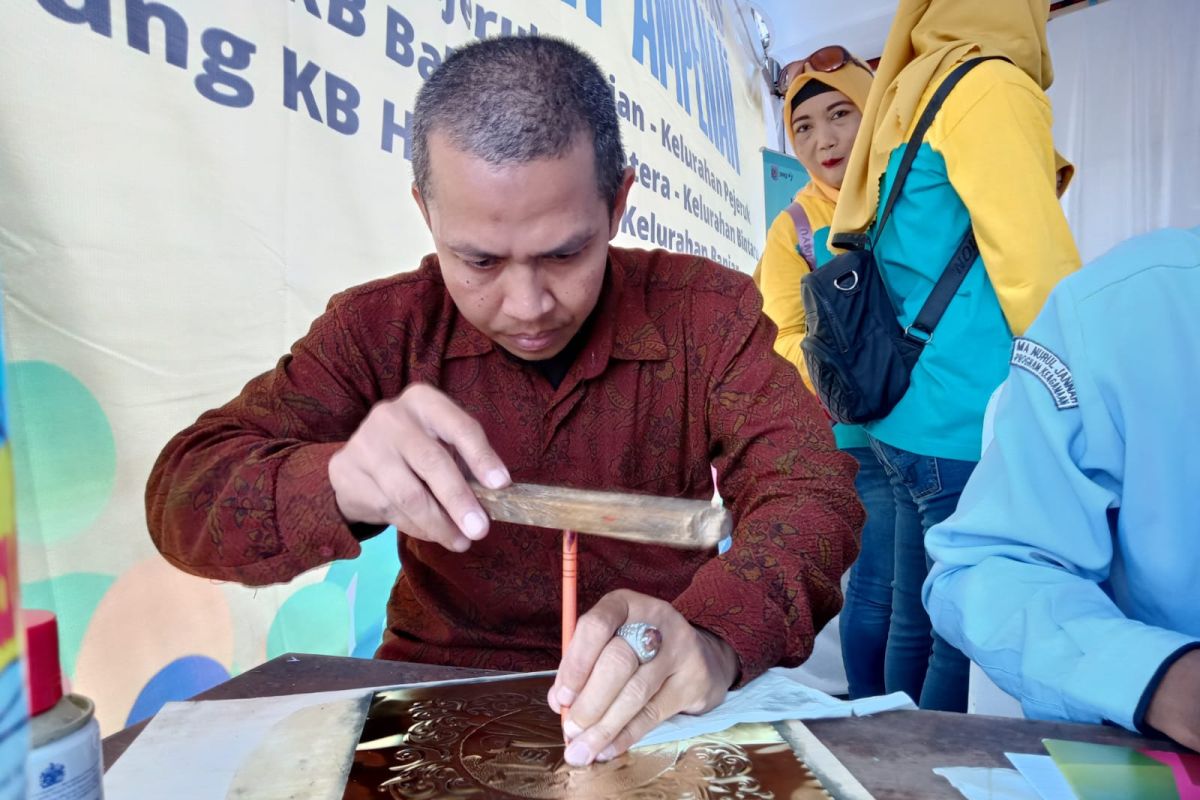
(987, 162)
(824, 95)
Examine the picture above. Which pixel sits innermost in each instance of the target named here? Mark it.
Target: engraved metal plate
(499, 739)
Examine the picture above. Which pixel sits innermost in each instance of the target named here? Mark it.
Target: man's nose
(526, 295)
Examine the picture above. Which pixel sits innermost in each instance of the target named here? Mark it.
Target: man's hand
(614, 700)
(399, 468)
(1175, 707)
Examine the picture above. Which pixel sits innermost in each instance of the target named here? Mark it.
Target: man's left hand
(614, 699)
(1175, 706)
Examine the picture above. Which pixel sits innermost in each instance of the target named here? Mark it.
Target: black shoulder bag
(858, 356)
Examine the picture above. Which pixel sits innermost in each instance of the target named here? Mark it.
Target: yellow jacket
(785, 261)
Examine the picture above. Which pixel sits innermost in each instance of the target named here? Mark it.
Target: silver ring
(643, 638)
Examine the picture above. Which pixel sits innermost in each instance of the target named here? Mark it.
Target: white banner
(184, 183)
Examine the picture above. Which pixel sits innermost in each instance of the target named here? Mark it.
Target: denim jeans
(918, 660)
(866, 614)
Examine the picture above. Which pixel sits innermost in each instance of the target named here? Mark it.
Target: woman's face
(823, 131)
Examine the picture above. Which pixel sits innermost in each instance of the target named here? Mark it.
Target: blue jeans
(866, 615)
(919, 661)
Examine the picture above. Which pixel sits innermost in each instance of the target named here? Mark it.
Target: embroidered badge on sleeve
(1048, 368)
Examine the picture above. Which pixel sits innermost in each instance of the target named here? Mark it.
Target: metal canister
(65, 758)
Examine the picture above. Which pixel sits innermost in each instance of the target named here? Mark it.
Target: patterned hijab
(928, 37)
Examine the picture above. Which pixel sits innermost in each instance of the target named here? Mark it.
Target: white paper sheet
(1043, 775)
(221, 748)
(772, 697)
(986, 783)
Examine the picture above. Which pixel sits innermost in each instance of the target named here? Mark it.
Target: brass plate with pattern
(499, 739)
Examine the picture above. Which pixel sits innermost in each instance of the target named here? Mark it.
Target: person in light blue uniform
(1070, 571)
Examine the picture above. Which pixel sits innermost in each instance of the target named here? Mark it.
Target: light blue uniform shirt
(1071, 570)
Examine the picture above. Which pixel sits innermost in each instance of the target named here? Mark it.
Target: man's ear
(420, 199)
(619, 203)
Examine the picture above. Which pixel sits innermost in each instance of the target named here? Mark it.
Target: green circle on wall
(73, 597)
(64, 456)
(316, 619)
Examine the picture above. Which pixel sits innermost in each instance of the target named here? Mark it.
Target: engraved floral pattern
(484, 741)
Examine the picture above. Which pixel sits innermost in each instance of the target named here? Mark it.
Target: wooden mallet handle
(671, 521)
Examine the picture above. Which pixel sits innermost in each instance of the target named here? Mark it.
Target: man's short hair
(516, 99)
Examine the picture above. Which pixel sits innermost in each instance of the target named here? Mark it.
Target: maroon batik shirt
(677, 373)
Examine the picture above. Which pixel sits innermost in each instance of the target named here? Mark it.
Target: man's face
(522, 247)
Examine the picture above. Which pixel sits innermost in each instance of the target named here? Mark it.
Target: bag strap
(918, 134)
(804, 233)
(921, 328)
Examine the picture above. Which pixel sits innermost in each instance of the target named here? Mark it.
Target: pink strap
(804, 234)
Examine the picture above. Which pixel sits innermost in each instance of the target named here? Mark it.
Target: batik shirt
(677, 374)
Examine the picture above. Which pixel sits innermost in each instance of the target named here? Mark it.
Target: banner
(783, 176)
(184, 184)
(14, 712)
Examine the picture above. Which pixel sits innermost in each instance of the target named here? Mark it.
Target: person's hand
(614, 700)
(399, 469)
(1175, 706)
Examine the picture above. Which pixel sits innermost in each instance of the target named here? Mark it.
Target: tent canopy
(799, 27)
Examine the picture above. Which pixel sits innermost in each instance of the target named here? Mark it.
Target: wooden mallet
(671, 521)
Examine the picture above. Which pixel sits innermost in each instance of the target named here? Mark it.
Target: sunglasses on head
(828, 59)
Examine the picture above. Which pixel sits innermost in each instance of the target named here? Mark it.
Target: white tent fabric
(799, 27)
(1126, 100)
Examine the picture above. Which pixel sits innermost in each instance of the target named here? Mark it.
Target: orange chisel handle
(570, 574)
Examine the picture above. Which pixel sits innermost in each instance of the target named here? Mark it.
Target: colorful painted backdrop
(14, 740)
(183, 184)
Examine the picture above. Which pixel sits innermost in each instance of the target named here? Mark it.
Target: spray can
(65, 759)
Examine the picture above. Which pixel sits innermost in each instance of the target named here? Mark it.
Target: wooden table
(892, 754)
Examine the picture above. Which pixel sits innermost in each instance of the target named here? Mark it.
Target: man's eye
(480, 263)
